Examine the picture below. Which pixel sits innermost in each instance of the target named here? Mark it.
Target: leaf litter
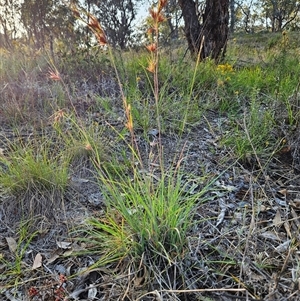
(246, 234)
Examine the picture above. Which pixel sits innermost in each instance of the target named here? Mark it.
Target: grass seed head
(156, 15)
(75, 11)
(58, 116)
(151, 66)
(88, 147)
(94, 23)
(152, 47)
(129, 123)
(95, 26)
(54, 75)
(162, 4)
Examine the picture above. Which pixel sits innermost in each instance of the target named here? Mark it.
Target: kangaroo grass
(146, 216)
(149, 210)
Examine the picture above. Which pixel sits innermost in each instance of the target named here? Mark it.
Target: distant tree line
(271, 15)
(41, 22)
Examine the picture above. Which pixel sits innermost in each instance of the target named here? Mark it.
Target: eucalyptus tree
(232, 15)
(9, 20)
(206, 34)
(280, 13)
(117, 18)
(44, 20)
(248, 14)
(173, 17)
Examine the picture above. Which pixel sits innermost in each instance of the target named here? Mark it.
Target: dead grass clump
(33, 205)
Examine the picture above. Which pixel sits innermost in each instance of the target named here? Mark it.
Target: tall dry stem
(157, 18)
(95, 26)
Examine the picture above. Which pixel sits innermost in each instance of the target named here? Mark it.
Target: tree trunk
(192, 26)
(208, 39)
(232, 15)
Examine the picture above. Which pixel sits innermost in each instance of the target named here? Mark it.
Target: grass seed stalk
(148, 215)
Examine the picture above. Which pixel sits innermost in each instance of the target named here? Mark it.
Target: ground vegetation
(145, 175)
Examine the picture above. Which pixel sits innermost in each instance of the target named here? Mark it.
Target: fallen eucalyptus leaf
(277, 219)
(64, 244)
(37, 263)
(12, 244)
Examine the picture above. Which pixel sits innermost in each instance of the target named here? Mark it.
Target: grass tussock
(33, 181)
(146, 219)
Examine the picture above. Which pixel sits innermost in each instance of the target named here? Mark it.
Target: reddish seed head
(75, 11)
(88, 147)
(153, 12)
(62, 278)
(151, 47)
(150, 31)
(95, 26)
(54, 75)
(76, 14)
(58, 116)
(162, 4)
(93, 23)
(156, 15)
(101, 38)
(160, 18)
(151, 66)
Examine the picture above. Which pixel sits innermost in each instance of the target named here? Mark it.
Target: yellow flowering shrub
(225, 68)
